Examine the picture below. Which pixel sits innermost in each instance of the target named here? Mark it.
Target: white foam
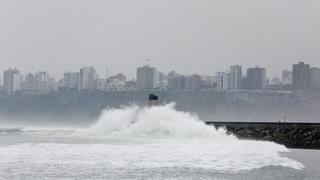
(135, 138)
(181, 137)
(155, 122)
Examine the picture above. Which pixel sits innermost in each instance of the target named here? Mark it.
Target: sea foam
(175, 136)
(140, 139)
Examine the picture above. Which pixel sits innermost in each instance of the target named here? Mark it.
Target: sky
(188, 36)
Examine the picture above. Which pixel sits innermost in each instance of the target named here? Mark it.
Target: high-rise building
(147, 77)
(181, 82)
(88, 78)
(286, 77)
(208, 82)
(52, 84)
(193, 82)
(71, 80)
(163, 80)
(29, 83)
(256, 78)
(67, 80)
(301, 76)
(223, 81)
(42, 82)
(11, 81)
(315, 77)
(235, 77)
(173, 80)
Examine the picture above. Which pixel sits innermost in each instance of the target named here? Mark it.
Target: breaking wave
(155, 122)
(134, 139)
(185, 140)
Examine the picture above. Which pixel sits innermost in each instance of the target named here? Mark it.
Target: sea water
(147, 143)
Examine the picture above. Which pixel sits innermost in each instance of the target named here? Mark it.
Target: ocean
(147, 143)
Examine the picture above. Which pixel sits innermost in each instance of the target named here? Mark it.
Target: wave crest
(149, 122)
(185, 138)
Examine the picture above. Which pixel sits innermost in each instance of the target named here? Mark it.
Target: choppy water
(147, 143)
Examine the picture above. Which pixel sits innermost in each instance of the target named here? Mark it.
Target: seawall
(292, 135)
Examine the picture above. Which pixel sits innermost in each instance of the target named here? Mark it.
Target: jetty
(291, 134)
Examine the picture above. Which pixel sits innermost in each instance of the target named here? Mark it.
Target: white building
(88, 78)
(147, 77)
(235, 77)
(12, 81)
(223, 81)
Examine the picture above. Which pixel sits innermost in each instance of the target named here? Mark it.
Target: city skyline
(131, 74)
(106, 71)
(199, 37)
(302, 76)
(159, 89)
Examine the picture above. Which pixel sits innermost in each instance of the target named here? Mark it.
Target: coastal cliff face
(85, 107)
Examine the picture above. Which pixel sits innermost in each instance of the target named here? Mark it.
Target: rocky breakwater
(292, 135)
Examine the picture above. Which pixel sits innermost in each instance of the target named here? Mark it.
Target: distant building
(256, 78)
(181, 82)
(315, 77)
(192, 82)
(102, 84)
(42, 82)
(71, 80)
(67, 80)
(88, 78)
(116, 82)
(208, 82)
(173, 80)
(147, 77)
(163, 80)
(29, 83)
(222, 81)
(244, 82)
(301, 76)
(286, 77)
(11, 81)
(130, 85)
(52, 84)
(235, 77)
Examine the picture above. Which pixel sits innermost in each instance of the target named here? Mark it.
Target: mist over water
(137, 141)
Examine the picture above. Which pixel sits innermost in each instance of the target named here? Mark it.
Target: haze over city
(160, 89)
(188, 36)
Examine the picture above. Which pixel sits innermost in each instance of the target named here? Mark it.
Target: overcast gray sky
(189, 36)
